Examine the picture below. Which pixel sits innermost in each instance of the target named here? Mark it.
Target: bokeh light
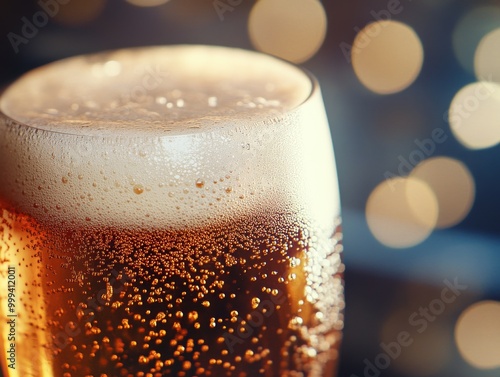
(474, 115)
(147, 3)
(387, 56)
(401, 212)
(453, 186)
(487, 57)
(477, 334)
(473, 26)
(290, 29)
(79, 12)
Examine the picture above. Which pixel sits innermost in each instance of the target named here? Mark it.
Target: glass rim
(256, 120)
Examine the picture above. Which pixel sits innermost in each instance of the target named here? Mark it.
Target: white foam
(220, 133)
(163, 90)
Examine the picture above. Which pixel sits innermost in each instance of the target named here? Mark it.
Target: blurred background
(412, 91)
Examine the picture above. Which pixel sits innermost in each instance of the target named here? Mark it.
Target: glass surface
(168, 211)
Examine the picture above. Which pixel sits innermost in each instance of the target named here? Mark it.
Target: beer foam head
(164, 90)
(164, 137)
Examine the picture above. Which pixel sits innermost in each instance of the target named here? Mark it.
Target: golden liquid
(169, 212)
(261, 296)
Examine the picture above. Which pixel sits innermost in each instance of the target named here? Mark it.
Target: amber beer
(169, 211)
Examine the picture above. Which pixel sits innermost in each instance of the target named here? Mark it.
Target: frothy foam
(224, 133)
(164, 90)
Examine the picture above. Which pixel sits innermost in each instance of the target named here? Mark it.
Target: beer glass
(168, 211)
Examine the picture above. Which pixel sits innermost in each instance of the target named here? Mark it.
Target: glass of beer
(168, 211)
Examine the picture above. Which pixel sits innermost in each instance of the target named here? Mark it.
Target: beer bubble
(294, 262)
(79, 314)
(137, 298)
(138, 189)
(255, 302)
(109, 291)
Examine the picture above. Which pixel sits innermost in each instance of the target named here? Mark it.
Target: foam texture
(165, 137)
